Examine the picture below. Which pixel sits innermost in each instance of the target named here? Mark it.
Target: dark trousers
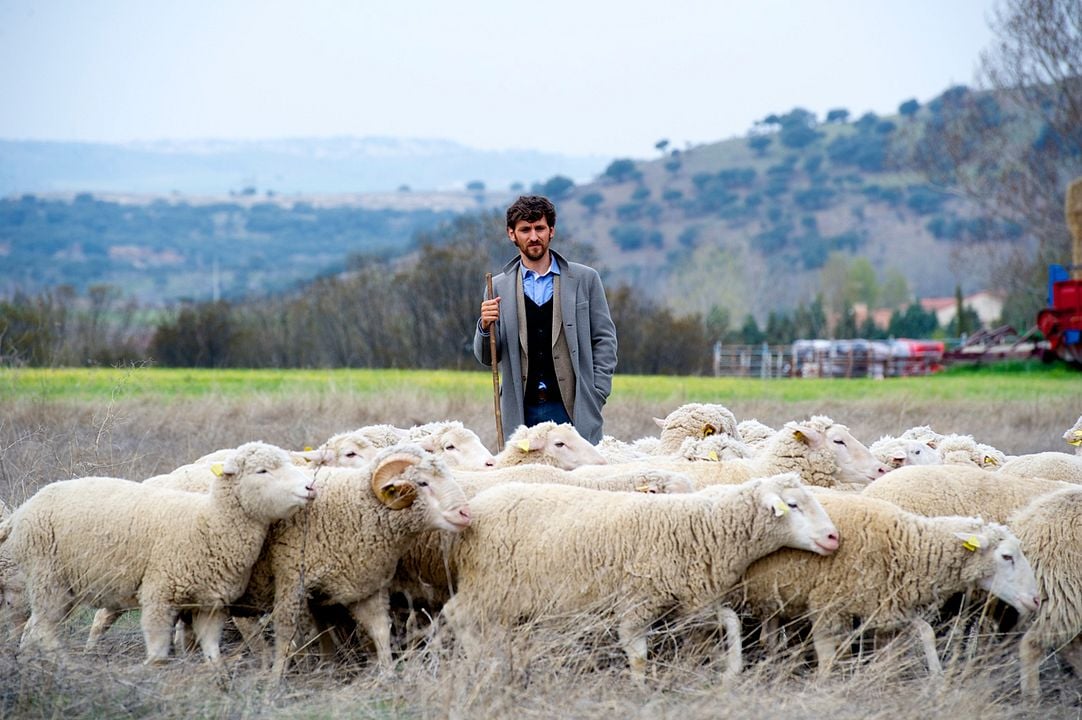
(552, 410)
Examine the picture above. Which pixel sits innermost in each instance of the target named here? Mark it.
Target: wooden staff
(495, 372)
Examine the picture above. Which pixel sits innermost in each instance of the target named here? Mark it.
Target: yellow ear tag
(524, 445)
(989, 460)
(709, 430)
(780, 508)
(216, 468)
(1077, 440)
(712, 455)
(642, 488)
(971, 543)
(308, 448)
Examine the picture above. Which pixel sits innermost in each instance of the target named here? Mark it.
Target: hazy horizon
(569, 78)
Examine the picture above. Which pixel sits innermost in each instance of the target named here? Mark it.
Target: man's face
(532, 238)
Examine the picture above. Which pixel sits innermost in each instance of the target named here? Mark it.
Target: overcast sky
(570, 76)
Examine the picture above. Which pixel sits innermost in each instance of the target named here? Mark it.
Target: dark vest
(539, 349)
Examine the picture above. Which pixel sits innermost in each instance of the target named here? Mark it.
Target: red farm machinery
(1061, 321)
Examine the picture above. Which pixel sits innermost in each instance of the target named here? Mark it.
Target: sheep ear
(897, 460)
(427, 443)
(394, 492)
(773, 501)
(533, 441)
(660, 423)
(970, 541)
(933, 443)
(807, 435)
(230, 467)
(709, 430)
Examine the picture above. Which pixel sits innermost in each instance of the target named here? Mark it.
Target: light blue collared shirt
(539, 287)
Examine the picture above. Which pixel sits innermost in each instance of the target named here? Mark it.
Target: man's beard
(534, 252)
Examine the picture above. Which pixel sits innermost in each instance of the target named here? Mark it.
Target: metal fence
(829, 359)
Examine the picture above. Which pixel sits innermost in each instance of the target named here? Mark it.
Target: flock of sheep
(736, 520)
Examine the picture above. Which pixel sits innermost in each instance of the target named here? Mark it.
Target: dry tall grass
(552, 672)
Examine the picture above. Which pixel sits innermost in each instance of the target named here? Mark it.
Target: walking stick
(495, 372)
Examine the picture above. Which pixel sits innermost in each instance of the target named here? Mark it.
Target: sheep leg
(770, 635)
(632, 635)
(251, 630)
(49, 603)
(1072, 653)
(1030, 653)
(825, 642)
(734, 651)
(285, 616)
(42, 632)
(927, 638)
(183, 638)
(157, 620)
(103, 620)
(373, 614)
(207, 625)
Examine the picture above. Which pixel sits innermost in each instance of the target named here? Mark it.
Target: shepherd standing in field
(558, 320)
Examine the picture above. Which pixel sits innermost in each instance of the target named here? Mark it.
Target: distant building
(987, 304)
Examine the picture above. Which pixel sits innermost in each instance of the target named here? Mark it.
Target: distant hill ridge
(298, 165)
(751, 224)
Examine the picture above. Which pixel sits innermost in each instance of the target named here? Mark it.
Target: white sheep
(1073, 436)
(694, 420)
(1050, 529)
(118, 544)
(754, 433)
(459, 446)
(355, 448)
(1051, 465)
(426, 573)
(691, 421)
(548, 444)
(717, 448)
(539, 550)
(958, 489)
(13, 608)
(897, 452)
(892, 566)
(957, 449)
(347, 449)
(924, 434)
(345, 548)
(618, 451)
(822, 452)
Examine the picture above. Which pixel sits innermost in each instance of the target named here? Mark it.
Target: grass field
(136, 422)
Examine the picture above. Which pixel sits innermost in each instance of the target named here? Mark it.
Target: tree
(837, 115)
(475, 186)
(750, 334)
(895, 289)
(660, 145)
(913, 322)
(622, 170)
(909, 108)
(557, 187)
(1014, 143)
(759, 143)
(591, 201)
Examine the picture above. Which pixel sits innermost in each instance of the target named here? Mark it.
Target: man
(555, 340)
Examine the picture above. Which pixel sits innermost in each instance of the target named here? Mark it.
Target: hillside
(750, 224)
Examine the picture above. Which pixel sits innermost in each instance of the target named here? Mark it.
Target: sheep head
(393, 490)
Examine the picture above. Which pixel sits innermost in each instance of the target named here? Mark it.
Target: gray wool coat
(591, 342)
